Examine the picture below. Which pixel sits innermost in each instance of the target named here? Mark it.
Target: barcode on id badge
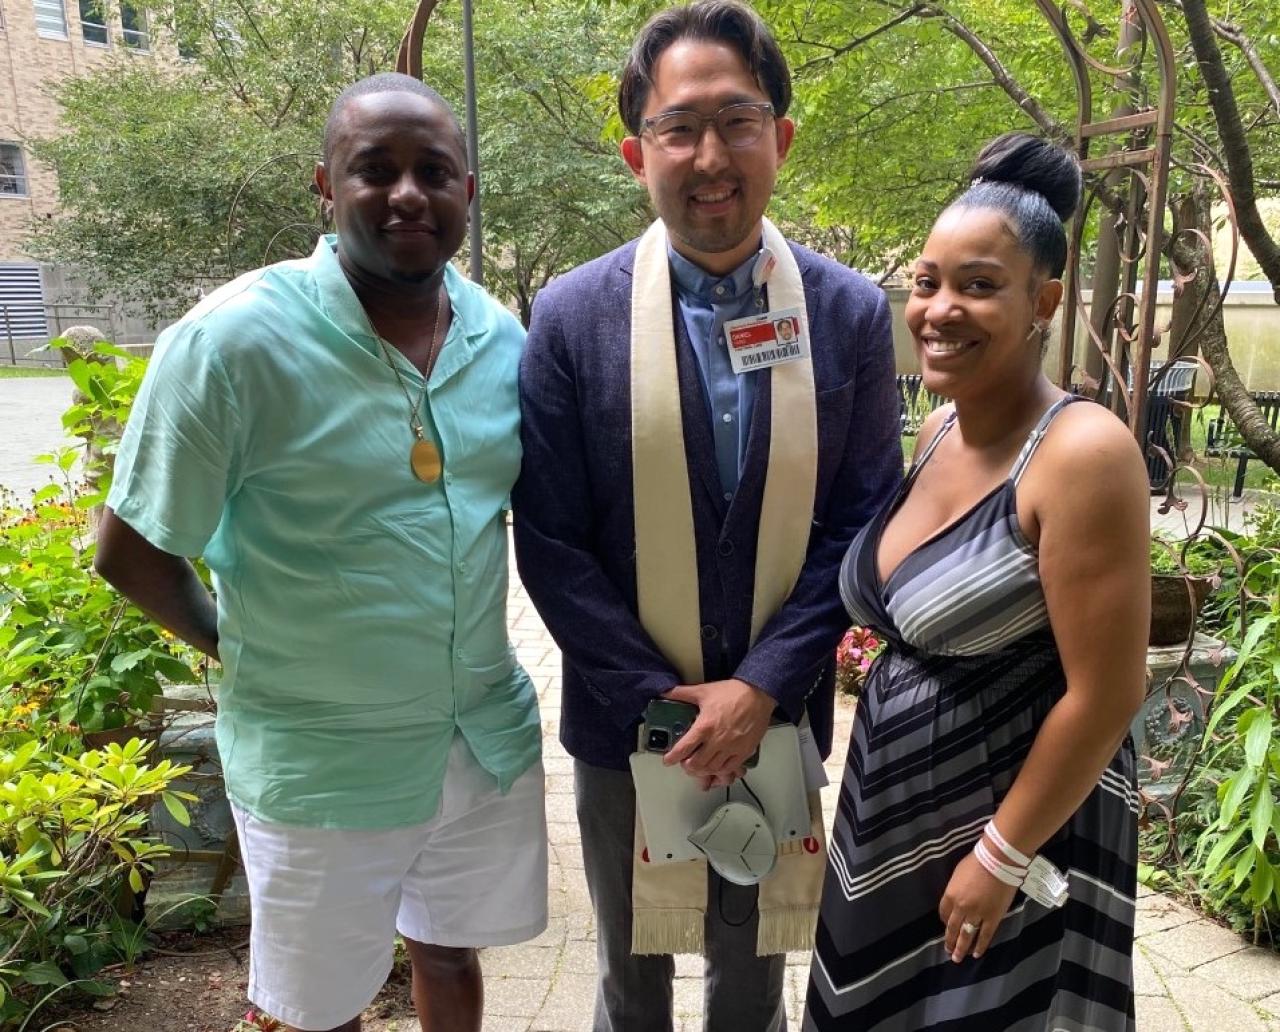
(778, 354)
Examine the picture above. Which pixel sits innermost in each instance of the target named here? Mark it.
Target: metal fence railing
(24, 327)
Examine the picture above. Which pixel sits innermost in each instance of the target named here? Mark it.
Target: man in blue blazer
(704, 95)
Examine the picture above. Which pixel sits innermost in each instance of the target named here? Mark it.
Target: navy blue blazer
(575, 515)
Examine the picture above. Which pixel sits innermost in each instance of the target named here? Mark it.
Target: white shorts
(327, 902)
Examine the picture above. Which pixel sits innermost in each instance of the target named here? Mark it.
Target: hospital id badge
(763, 341)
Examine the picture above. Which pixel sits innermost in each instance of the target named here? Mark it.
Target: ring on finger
(969, 928)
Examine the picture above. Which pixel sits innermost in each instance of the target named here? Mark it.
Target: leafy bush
(1223, 844)
(72, 835)
(74, 656)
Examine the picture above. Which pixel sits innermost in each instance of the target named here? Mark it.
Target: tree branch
(999, 73)
(853, 44)
(1234, 35)
(1235, 144)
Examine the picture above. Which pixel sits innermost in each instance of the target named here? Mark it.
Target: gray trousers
(634, 994)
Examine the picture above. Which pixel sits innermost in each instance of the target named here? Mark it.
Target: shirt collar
(693, 281)
(345, 311)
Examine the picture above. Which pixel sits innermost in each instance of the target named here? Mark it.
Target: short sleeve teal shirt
(361, 612)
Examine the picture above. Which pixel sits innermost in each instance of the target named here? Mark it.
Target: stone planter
(1175, 604)
(189, 740)
(1170, 724)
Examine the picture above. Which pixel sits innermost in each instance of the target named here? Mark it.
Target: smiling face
(712, 199)
(397, 178)
(977, 306)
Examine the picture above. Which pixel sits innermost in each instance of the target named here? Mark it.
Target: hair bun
(1031, 163)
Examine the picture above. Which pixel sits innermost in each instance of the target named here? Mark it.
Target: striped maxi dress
(947, 717)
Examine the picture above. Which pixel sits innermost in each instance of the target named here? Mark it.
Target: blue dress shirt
(707, 302)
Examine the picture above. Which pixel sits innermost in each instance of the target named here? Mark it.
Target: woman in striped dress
(1009, 577)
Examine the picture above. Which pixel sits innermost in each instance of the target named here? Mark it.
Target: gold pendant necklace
(424, 456)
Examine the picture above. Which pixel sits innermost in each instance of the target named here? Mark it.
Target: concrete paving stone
(1146, 981)
(578, 958)
(1251, 974)
(560, 784)
(575, 887)
(562, 808)
(514, 997)
(582, 927)
(568, 855)
(1210, 1008)
(1193, 944)
(688, 996)
(496, 1023)
(1157, 913)
(568, 1006)
(1271, 1004)
(1158, 1014)
(538, 962)
(558, 904)
(688, 965)
(796, 988)
(563, 832)
(554, 935)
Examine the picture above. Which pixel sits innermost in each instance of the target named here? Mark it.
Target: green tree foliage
(208, 164)
(555, 192)
(892, 101)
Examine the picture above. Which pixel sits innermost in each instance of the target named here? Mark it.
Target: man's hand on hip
(732, 718)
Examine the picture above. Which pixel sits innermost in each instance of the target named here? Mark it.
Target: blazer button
(709, 632)
(725, 548)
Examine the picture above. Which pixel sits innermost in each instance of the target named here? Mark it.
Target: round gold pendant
(425, 462)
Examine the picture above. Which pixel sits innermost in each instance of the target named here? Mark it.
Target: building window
(51, 19)
(93, 23)
(22, 313)
(133, 23)
(13, 171)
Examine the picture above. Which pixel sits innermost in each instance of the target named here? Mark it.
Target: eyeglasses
(678, 132)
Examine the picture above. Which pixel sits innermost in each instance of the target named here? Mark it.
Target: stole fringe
(786, 930)
(667, 931)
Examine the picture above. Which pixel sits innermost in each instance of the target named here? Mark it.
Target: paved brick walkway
(1191, 975)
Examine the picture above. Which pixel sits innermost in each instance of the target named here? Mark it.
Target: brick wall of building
(29, 65)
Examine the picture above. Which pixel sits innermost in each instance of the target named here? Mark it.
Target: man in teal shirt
(337, 436)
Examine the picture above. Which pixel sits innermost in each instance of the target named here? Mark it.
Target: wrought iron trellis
(1131, 179)
(1145, 138)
